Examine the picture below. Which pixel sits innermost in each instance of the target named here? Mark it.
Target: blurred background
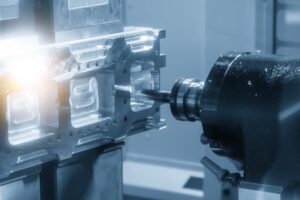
(165, 164)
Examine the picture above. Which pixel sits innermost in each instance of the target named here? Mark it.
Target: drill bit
(160, 96)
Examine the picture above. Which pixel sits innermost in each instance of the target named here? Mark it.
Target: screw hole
(125, 101)
(125, 119)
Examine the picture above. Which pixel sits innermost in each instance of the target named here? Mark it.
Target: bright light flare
(28, 70)
(22, 60)
(10, 47)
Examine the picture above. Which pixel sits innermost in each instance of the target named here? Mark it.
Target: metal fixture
(71, 79)
(249, 109)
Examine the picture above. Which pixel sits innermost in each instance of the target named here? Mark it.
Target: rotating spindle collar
(185, 99)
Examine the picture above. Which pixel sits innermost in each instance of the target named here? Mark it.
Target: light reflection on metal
(23, 116)
(84, 102)
(69, 97)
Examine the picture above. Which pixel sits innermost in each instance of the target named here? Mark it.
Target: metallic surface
(60, 20)
(206, 36)
(16, 18)
(27, 187)
(190, 62)
(81, 40)
(71, 22)
(215, 169)
(249, 111)
(247, 94)
(94, 175)
(185, 99)
(250, 94)
(111, 68)
(161, 96)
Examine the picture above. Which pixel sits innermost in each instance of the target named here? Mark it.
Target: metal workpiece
(74, 19)
(90, 96)
(120, 76)
(71, 81)
(17, 18)
(54, 21)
